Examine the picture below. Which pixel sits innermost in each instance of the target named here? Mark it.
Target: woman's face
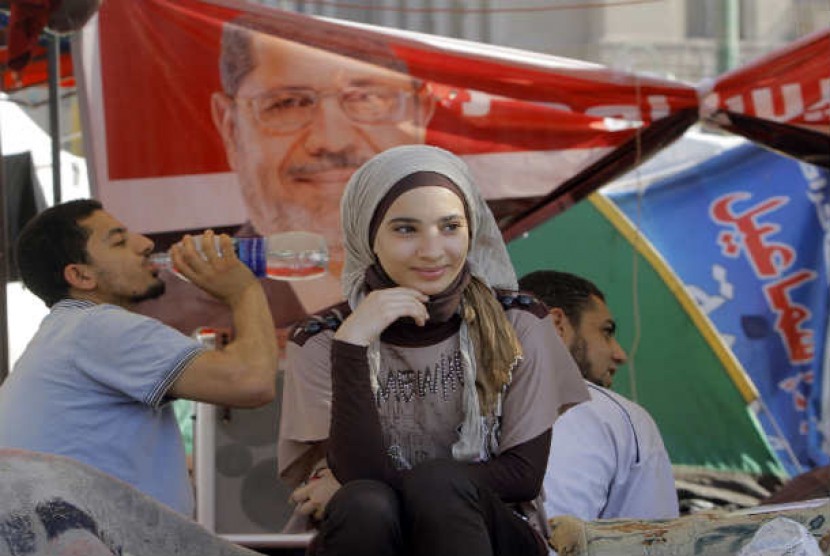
(423, 239)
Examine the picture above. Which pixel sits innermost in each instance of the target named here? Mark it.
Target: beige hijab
(487, 257)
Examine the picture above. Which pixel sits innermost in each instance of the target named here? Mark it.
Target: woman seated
(430, 395)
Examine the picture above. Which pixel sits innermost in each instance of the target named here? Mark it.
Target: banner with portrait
(536, 129)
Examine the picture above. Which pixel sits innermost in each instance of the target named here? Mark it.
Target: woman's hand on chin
(378, 310)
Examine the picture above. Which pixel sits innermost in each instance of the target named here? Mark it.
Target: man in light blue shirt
(607, 458)
(95, 382)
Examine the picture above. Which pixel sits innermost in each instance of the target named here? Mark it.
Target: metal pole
(486, 34)
(4, 274)
(457, 20)
(55, 112)
(429, 23)
(403, 17)
(729, 39)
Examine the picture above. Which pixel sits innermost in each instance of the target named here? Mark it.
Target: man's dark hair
(236, 59)
(50, 241)
(566, 291)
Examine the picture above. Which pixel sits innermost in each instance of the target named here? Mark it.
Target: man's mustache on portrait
(325, 162)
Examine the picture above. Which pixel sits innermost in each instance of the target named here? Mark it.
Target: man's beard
(579, 352)
(154, 291)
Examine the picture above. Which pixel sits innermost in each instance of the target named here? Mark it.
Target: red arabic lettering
(479, 104)
(794, 103)
(768, 259)
(799, 342)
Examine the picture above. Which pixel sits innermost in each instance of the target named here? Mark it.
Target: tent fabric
(759, 224)
(28, 18)
(680, 372)
(20, 134)
(35, 70)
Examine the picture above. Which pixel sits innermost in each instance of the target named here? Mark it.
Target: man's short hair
(568, 292)
(50, 241)
(236, 59)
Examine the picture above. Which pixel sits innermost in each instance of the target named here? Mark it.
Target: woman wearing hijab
(430, 394)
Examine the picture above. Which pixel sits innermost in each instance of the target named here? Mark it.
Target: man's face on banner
(301, 122)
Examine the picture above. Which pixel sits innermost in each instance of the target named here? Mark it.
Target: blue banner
(748, 233)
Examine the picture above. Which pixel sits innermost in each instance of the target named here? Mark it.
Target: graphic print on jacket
(417, 394)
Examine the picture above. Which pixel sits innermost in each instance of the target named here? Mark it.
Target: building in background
(681, 39)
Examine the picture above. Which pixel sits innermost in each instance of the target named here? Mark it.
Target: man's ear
(221, 109)
(80, 277)
(562, 324)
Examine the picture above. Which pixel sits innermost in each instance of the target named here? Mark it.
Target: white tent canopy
(19, 134)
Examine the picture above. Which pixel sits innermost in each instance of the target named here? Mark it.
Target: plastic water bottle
(250, 250)
(285, 256)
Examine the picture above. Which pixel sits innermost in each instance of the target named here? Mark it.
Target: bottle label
(251, 251)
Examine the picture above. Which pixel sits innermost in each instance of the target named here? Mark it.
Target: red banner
(781, 100)
(173, 148)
